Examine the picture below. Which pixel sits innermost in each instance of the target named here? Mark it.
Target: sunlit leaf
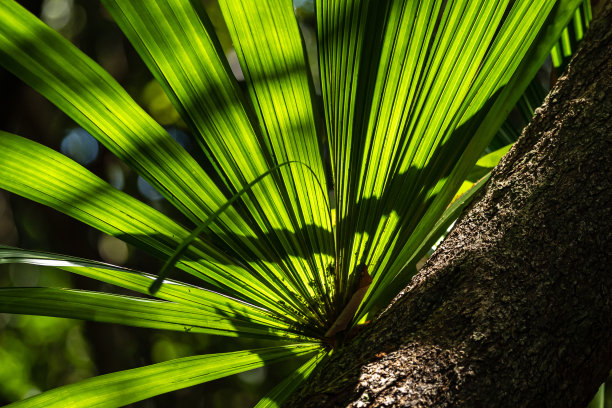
(124, 387)
(41, 174)
(289, 211)
(217, 313)
(279, 394)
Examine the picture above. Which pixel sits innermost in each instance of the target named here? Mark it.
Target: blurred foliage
(44, 350)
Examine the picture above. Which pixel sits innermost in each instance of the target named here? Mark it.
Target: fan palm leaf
(309, 195)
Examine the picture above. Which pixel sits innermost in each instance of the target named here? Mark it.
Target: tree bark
(514, 309)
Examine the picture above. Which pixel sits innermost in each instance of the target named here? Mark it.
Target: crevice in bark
(514, 308)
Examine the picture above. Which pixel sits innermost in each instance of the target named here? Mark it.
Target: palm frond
(199, 310)
(43, 175)
(412, 94)
(124, 387)
(279, 394)
(289, 211)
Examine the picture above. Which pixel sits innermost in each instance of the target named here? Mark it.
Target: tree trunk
(515, 307)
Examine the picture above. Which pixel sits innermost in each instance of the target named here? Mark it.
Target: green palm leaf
(180, 250)
(130, 311)
(268, 44)
(48, 177)
(412, 93)
(124, 387)
(277, 396)
(441, 157)
(289, 212)
(209, 312)
(563, 49)
(80, 87)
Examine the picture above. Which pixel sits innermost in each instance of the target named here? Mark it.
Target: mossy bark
(515, 307)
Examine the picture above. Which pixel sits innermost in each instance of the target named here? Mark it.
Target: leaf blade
(225, 311)
(89, 95)
(176, 41)
(70, 188)
(130, 311)
(279, 394)
(124, 387)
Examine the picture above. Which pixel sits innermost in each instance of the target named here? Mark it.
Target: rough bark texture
(515, 307)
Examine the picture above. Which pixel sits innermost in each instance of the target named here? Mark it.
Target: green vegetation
(307, 204)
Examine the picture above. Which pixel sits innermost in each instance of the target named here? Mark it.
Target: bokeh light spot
(253, 377)
(57, 13)
(148, 190)
(80, 146)
(113, 250)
